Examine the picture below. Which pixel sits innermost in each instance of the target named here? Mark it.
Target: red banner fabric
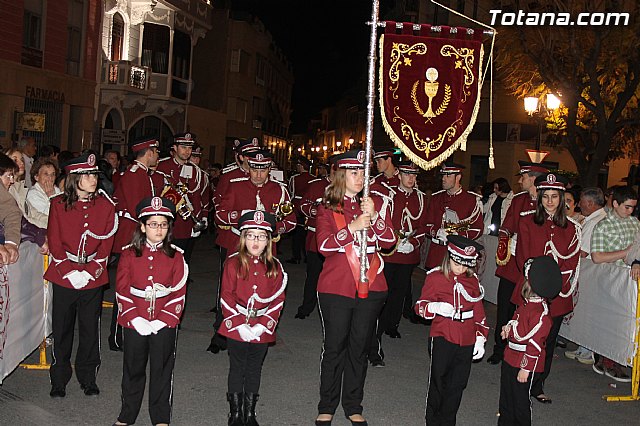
(429, 93)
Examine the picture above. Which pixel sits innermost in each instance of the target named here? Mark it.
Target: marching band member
(177, 171)
(507, 269)
(451, 211)
(254, 192)
(387, 171)
(547, 231)
(252, 297)
(150, 292)
(452, 297)
(348, 318)
(408, 216)
(311, 199)
(82, 223)
(526, 335)
(298, 184)
(133, 185)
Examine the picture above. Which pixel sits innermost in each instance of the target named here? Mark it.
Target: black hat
(186, 139)
(552, 181)
(251, 144)
(84, 164)
(463, 250)
(528, 166)
(451, 168)
(353, 159)
(544, 276)
(408, 167)
(303, 161)
(260, 159)
(155, 206)
(257, 219)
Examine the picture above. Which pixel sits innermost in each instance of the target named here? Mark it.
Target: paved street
(394, 395)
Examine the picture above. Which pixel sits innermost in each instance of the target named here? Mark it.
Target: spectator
(10, 215)
(19, 189)
(28, 148)
(63, 158)
(592, 206)
(497, 205)
(571, 199)
(611, 240)
(49, 152)
(43, 177)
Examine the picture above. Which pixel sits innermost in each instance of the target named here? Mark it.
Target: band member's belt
(370, 249)
(147, 293)
(311, 228)
(251, 313)
(437, 241)
(459, 316)
(517, 347)
(72, 257)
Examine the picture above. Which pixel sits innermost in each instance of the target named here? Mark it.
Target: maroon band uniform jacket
(236, 294)
(409, 218)
(139, 278)
(469, 320)
(521, 202)
(196, 185)
(550, 240)
(224, 237)
(298, 185)
(72, 235)
(469, 209)
(242, 195)
(309, 203)
(133, 185)
(336, 276)
(528, 351)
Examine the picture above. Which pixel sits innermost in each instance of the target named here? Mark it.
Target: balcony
(125, 75)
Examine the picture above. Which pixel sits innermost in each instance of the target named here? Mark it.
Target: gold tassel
(492, 164)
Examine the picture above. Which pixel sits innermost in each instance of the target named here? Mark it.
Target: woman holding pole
(349, 307)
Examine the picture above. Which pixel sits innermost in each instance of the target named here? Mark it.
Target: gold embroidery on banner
(397, 54)
(429, 114)
(465, 61)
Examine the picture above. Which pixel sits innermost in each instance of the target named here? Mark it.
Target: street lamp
(534, 109)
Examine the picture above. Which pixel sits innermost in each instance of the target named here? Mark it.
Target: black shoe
(293, 261)
(357, 423)
(561, 343)
(394, 334)
(377, 363)
(58, 392)
(214, 310)
(300, 315)
(495, 359)
(543, 399)
(218, 343)
(115, 347)
(90, 389)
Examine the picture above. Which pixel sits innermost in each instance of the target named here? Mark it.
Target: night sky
(327, 42)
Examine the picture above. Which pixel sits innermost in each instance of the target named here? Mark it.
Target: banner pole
(371, 96)
(635, 371)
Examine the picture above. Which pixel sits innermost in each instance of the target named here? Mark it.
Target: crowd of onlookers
(610, 234)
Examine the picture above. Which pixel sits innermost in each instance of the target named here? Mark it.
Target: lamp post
(533, 107)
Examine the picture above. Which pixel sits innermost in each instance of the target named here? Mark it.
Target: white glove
(441, 308)
(478, 348)
(246, 333)
(258, 330)
(194, 233)
(77, 279)
(158, 325)
(405, 247)
(143, 326)
(442, 235)
(87, 276)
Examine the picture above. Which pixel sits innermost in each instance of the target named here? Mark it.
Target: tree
(594, 70)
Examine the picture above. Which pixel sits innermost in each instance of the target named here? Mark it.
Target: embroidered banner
(429, 90)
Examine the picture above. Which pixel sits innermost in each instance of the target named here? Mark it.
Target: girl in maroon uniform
(150, 291)
(452, 297)
(526, 333)
(251, 297)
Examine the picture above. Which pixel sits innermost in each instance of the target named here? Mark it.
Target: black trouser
(187, 245)
(537, 387)
(218, 320)
(115, 331)
(515, 402)
(86, 304)
(398, 278)
(348, 325)
(245, 365)
(160, 350)
(310, 296)
(298, 237)
(448, 377)
(505, 311)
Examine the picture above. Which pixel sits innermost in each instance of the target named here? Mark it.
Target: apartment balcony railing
(124, 74)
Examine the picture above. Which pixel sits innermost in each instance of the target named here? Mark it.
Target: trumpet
(282, 210)
(457, 227)
(183, 205)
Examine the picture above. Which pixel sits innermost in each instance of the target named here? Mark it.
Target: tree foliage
(594, 70)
